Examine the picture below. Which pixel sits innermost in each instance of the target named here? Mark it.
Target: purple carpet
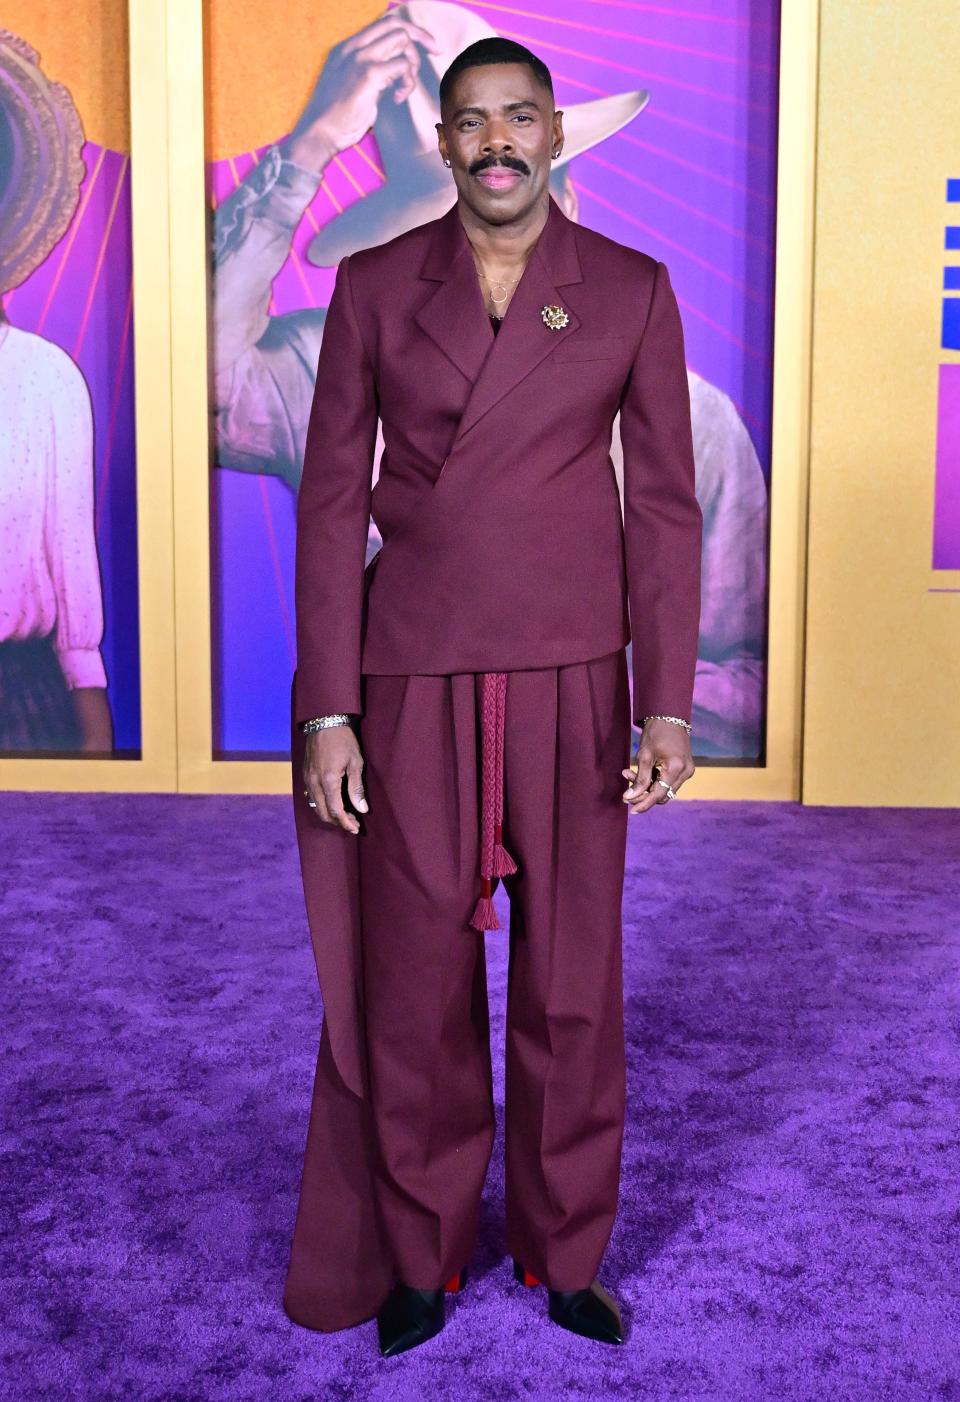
(790, 1207)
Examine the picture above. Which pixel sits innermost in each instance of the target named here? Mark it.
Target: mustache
(491, 162)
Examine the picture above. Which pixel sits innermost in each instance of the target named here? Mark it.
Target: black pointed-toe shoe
(592, 1312)
(409, 1317)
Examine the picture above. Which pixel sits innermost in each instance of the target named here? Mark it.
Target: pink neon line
(369, 160)
(74, 227)
(681, 248)
(683, 204)
(114, 406)
(328, 192)
(312, 217)
(636, 5)
(643, 73)
(100, 257)
(622, 34)
(657, 114)
(697, 169)
(728, 335)
(667, 10)
(330, 195)
(744, 413)
(350, 176)
(653, 113)
(275, 557)
(578, 83)
(722, 330)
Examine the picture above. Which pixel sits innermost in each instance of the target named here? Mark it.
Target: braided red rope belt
(495, 860)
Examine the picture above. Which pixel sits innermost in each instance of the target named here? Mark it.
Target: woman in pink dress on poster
(52, 678)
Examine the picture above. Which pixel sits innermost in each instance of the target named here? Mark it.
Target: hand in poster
(96, 725)
(357, 72)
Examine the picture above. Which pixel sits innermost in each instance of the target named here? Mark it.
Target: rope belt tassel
(495, 860)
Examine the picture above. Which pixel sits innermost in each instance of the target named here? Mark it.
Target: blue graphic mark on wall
(950, 330)
(950, 320)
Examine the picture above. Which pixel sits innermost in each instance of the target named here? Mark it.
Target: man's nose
(498, 143)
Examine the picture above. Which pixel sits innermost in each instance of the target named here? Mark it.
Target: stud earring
(445, 161)
(556, 155)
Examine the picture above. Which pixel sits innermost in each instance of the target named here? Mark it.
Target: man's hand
(344, 102)
(331, 754)
(668, 747)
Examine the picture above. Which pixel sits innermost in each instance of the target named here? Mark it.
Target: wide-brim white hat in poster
(418, 187)
(41, 162)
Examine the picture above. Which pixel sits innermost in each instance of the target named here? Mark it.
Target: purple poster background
(946, 521)
(691, 180)
(80, 298)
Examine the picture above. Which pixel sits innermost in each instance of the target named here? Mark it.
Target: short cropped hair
(493, 50)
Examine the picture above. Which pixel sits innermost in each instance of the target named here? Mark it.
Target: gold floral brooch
(554, 317)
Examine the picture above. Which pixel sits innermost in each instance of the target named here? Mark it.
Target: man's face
(499, 131)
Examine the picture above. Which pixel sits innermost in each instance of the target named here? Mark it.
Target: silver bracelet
(323, 723)
(675, 720)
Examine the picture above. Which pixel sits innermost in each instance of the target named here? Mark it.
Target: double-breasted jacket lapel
(455, 316)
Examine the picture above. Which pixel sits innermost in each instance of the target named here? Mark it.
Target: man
(469, 690)
(387, 75)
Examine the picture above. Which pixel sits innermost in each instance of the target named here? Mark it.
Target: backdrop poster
(675, 122)
(69, 648)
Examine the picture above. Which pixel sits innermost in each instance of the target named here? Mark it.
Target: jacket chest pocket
(593, 348)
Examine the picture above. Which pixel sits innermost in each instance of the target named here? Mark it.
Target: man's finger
(641, 771)
(641, 798)
(647, 800)
(314, 794)
(637, 799)
(332, 793)
(385, 24)
(355, 785)
(390, 46)
(660, 779)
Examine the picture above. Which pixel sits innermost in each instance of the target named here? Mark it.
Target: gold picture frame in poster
(156, 767)
(198, 770)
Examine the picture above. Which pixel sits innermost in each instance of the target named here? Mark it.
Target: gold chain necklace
(498, 286)
(502, 284)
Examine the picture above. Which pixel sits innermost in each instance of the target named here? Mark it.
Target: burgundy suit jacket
(504, 546)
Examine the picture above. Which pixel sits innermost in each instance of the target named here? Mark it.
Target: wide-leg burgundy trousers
(429, 1121)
